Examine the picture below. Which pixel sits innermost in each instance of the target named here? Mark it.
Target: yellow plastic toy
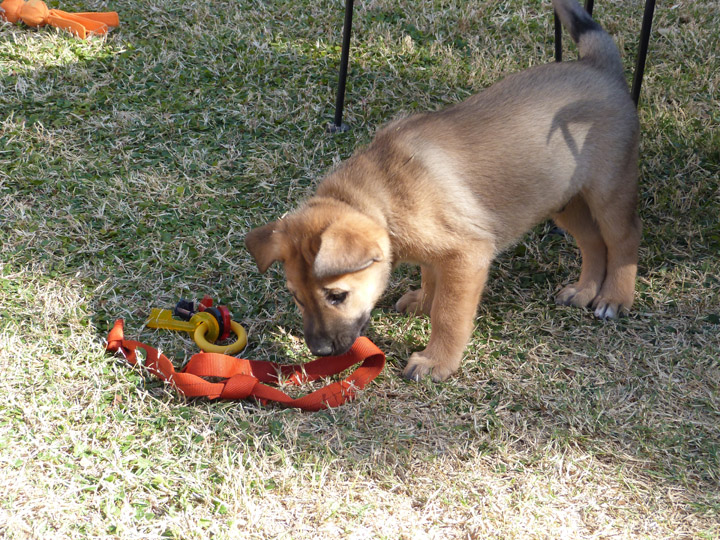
(206, 326)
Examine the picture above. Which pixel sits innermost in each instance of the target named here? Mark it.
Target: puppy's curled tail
(595, 45)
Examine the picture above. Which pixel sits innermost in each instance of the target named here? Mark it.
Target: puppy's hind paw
(413, 303)
(608, 309)
(573, 295)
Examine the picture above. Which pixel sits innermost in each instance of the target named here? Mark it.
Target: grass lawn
(132, 166)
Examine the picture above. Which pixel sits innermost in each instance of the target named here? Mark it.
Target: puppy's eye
(336, 297)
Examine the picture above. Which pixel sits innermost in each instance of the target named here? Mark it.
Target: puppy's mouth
(340, 343)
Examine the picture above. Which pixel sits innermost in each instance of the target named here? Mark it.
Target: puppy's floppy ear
(346, 248)
(266, 244)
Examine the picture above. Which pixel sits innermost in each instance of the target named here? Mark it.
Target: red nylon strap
(246, 378)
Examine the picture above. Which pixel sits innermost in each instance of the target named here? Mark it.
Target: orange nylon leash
(245, 378)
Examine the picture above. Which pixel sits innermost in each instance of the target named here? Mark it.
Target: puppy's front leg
(459, 283)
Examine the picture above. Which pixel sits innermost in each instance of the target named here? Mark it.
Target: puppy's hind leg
(621, 230)
(577, 219)
(419, 301)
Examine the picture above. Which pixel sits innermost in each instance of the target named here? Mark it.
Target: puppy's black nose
(322, 350)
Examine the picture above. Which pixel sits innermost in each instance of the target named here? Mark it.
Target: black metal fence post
(589, 6)
(338, 125)
(642, 49)
(558, 39)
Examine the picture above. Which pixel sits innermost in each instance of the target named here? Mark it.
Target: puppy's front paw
(419, 365)
(413, 302)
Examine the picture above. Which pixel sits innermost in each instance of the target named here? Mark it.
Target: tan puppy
(449, 190)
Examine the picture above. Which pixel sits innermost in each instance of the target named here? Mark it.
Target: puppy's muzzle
(324, 343)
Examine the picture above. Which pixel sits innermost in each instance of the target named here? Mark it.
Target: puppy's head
(337, 264)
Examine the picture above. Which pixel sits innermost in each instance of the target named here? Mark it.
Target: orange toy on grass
(36, 13)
